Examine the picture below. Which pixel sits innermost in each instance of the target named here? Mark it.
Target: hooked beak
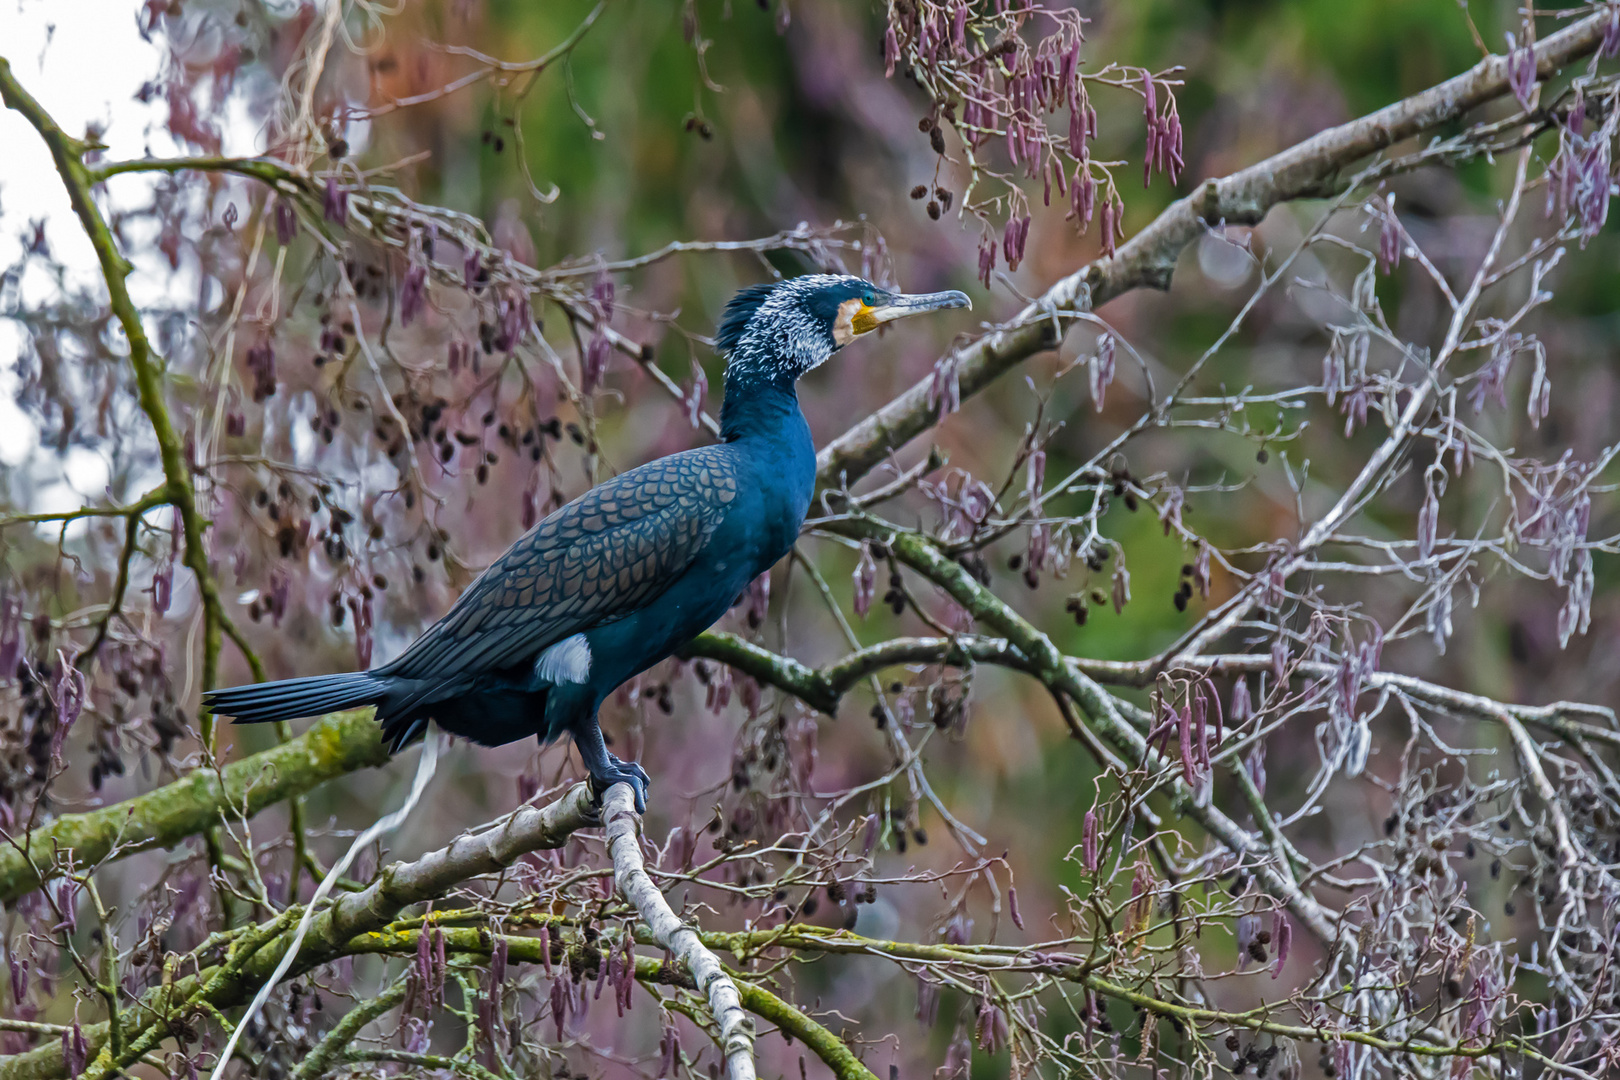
(899, 307)
(903, 306)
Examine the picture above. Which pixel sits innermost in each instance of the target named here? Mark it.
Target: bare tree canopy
(1202, 664)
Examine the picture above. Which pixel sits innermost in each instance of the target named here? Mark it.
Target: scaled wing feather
(603, 556)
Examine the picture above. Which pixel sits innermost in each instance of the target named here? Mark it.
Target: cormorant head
(777, 331)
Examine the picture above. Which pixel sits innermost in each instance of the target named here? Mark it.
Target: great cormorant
(621, 577)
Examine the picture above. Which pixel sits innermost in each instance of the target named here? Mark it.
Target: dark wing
(604, 555)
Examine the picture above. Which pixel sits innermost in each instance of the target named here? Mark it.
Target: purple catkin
(991, 1027)
(19, 978)
(75, 1050)
(958, 1055)
(1428, 523)
(1184, 730)
(1012, 907)
(927, 1002)
(545, 949)
(1521, 65)
(987, 259)
(959, 27)
(1174, 147)
(579, 1002)
(603, 294)
(286, 222)
(869, 835)
(1109, 212)
(1389, 242)
(416, 1036)
(1200, 715)
(865, 577)
(603, 971)
(412, 294)
(1102, 371)
(335, 203)
(497, 964)
(1282, 936)
(559, 1005)
(593, 365)
(625, 981)
(1069, 74)
(69, 692)
(669, 1048)
(1089, 853)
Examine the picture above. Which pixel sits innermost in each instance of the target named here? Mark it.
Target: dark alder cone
(261, 361)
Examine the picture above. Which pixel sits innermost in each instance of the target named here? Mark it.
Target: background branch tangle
(1165, 937)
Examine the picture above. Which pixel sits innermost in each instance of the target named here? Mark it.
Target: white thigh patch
(567, 661)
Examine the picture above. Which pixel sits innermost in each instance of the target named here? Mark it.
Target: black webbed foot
(627, 772)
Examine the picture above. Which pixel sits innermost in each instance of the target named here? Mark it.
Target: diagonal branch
(257, 952)
(1311, 169)
(630, 871)
(336, 745)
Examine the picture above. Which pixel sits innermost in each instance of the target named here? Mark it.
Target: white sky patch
(83, 60)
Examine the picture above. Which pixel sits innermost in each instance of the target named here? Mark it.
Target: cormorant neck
(758, 406)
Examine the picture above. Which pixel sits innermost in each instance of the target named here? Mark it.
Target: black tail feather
(293, 698)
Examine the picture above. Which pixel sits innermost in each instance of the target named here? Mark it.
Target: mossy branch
(254, 954)
(336, 745)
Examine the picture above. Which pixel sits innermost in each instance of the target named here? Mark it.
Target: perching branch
(630, 874)
(254, 955)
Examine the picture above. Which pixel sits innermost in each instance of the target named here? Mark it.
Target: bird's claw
(622, 772)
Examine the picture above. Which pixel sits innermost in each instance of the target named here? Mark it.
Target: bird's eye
(870, 300)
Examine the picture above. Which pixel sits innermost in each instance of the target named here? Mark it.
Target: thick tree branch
(255, 954)
(630, 872)
(336, 745)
